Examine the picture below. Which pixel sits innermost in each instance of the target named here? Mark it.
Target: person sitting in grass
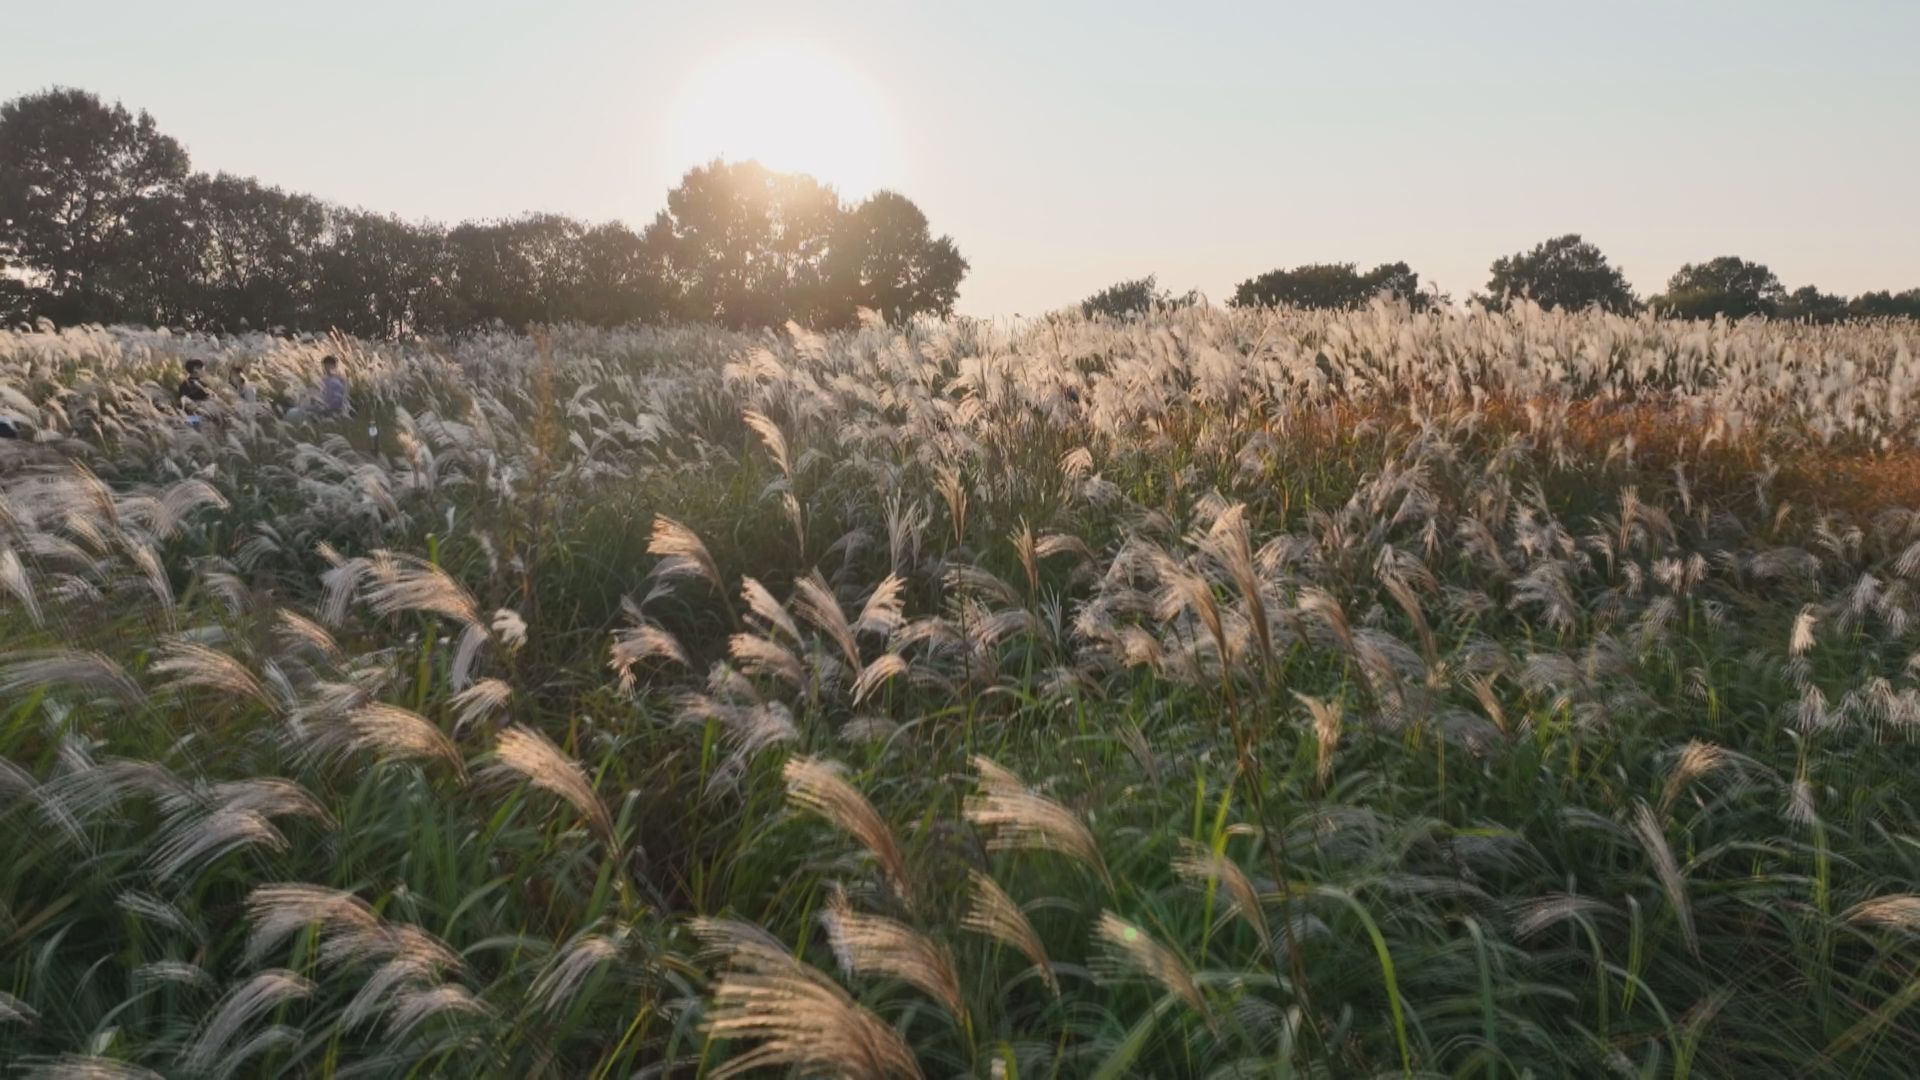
(333, 389)
(192, 391)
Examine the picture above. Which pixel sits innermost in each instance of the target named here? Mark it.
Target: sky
(1069, 145)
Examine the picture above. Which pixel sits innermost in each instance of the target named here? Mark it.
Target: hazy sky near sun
(1068, 145)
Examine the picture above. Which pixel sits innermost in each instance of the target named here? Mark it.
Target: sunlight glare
(795, 109)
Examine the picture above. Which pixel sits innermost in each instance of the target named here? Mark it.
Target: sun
(794, 109)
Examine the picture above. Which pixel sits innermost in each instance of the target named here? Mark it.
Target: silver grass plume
(1895, 911)
(1326, 735)
(992, 913)
(772, 437)
(297, 631)
(1017, 818)
(818, 786)
(196, 666)
(815, 603)
(1201, 865)
(531, 756)
(798, 1018)
(1696, 760)
(92, 671)
(1127, 950)
(1653, 840)
(405, 583)
(762, 604)
(484, 698)
(681, 553)
(872, 945)
(239, 1007)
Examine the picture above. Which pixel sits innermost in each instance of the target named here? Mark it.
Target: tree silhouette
(101, 220)
(1337, 286)
(1134, 297)
(1808, 304)
(76, 176)
(1729, 286)
(744, 245)
(1564, 272)
(1885, 305)
(881, 256)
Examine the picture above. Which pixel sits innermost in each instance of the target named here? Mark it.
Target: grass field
(1223, 694)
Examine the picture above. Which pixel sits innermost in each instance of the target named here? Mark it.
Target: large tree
(259, 254)
(76, 176)
(882, 256)
(1808, 304)
(746, 246)
(1729, 286)
(1564, 272)
(385, 277)
(1134, 297)
(1884, 304)
(1337, 286)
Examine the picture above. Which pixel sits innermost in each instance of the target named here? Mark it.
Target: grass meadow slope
(1219, 694)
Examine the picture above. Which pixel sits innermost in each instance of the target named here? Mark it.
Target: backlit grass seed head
(1895, 911)
(869, 945)
(1126, 951)
(250, 1000)
(818, 786)
(277, 912)
(1200, 865)
(681, 554)
(1018, 819)
(814, 602)
(400, 583)
(530, 756)
(485, 698)
(390, 732)
(795, 1017)
(1696, 760)
(1653, 841)
(992, 913)
(195, 666)
(1531, 917)
(91, 672)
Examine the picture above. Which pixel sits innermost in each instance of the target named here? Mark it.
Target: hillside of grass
(1215, 694)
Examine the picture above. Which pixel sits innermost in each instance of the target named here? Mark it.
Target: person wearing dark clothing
(191, 392)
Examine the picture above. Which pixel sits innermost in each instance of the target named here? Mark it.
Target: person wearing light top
(333, 389)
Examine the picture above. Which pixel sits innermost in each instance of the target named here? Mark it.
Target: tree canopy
(1135, 297)
(103, 219)
(1331, 286)
(1729, 286)
(1564, 272)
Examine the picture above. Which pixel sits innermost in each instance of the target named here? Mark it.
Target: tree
(516, 272)
(1335, 286)
(744, 245)
(1808, 304)
(1886, 305)
(1564, 272)
(619, 279)
(384, 277)
(1134, 297)
(1729, 286)
(75, 174)
(881, 256)
(259, 254)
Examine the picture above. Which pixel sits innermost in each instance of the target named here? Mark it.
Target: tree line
(1563, 272)
(102, 219)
